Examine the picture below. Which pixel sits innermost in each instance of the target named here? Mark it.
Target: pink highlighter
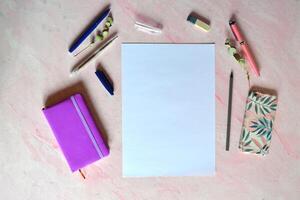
(245, 47)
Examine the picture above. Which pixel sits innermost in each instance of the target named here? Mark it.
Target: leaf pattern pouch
(258, 123)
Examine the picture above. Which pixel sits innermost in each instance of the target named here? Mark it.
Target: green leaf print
(262, 126)
(264, 150)
(246, 140)
(262, 104)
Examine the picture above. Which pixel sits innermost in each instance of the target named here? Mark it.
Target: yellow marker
(198, 23)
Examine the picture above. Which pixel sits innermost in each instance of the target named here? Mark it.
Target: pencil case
(258, 123)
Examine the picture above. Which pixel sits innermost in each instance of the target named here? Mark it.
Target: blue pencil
(89, 30)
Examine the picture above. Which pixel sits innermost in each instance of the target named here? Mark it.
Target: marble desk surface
(35, 65)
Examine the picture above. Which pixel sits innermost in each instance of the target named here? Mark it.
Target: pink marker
(238, 36)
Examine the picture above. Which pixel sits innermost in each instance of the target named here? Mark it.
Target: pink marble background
(35, 65)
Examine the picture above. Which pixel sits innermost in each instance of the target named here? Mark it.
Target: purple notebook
(76, 132)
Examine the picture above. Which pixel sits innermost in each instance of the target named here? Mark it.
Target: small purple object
(76, 132)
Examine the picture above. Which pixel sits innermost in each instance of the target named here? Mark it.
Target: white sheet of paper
(168, 109)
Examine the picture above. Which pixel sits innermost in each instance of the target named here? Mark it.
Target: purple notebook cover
(76, 132)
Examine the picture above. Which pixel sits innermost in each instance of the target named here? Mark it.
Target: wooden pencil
(229, 112)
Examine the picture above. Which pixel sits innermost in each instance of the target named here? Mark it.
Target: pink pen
(238, 36)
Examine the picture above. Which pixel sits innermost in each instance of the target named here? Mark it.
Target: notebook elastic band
(87, 128)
